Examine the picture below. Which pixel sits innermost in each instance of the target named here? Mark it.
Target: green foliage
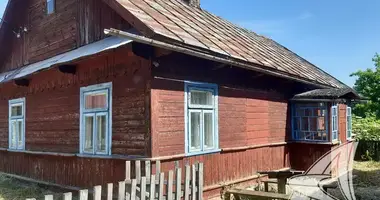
(368, 85)
(367, 128)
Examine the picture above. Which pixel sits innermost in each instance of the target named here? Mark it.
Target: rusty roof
(178, 22)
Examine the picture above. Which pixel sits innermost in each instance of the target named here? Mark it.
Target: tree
(368, 85)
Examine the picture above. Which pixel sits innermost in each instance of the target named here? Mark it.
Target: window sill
(203, 152)
(114, 156)
(314, 142)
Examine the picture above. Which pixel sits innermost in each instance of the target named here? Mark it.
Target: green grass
(367, 180)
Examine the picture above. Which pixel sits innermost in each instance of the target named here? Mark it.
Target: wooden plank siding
(52, 104)
(73, 24)
(342, 108)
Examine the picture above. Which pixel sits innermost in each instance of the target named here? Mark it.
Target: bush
(367, 130)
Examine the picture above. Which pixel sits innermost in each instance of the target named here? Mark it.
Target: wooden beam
(68, 69)
(22, 82)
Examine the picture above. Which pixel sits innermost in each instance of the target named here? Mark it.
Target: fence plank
(143, 188)
(193, 182)
(170, 185)
(109, 191)
(200, 181)
(98, 192)
(147, 169)
(187, 182)
(158, 168)
(121, 193)
(138, 170)
(152, 192)
(67, 196)
(178, 184)
(83, 194)
(49, 197)
(133, 189)
(161, 186)
(31, 199)
(127, 170)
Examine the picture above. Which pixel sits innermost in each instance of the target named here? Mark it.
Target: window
(17, 124)
(95, 119)
(310, 122)
(334, 121)
(201, 117)
(50, 6)
(349, 122)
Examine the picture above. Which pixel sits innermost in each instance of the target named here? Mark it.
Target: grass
(367, 180)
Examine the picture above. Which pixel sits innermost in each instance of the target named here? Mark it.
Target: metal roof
(333, 93)
(195, 27)
(88, 50)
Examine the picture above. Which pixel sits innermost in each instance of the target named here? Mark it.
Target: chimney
(193, 3)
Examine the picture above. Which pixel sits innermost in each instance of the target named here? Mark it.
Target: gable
(175, 22)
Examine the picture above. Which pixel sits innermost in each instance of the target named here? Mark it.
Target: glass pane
(89, 129)
(201, 98)
(308, 112)
(19, 131)
(96, 101)
(208, 130)
(296, 124)
(335, 123)
(50, 6)
(13, 141)
(101, 133)
(321, 124)
(195, 130)
(305, 124)
(300, 112)
(16, 111)
(313, 124)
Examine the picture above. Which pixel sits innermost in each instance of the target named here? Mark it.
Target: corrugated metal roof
(196, 27)
(88, 50)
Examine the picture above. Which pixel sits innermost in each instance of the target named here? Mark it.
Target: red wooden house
(165, 81)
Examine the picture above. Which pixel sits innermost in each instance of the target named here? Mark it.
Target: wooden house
(88, 84)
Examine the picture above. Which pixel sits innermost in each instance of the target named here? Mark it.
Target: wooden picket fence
(148, 186)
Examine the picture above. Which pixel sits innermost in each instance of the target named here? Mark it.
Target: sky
(339, 36)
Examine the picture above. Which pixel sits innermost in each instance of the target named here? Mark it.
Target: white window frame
(336, 117)
(48, 12)
(348, 115)
(202, 109)
(16, 102)
(94, 89)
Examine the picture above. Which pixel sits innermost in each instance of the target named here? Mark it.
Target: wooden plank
(161, 186)
(152, 192)
(109, 191)
(178, 183)
(143, 188)
(170, 185)
(133, 189)
(200, 181)
(138, 170)
(49, 197)
(193, 182)
(83, 195)
(147, 169)
(258, 194)
(187, 182)
(127, 170)
(67, 196)
(98, 192)
(158, 168)
(121, 193)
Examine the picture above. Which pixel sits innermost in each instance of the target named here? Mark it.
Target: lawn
(367, 180)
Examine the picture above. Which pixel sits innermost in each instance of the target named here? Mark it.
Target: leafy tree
(368, 85)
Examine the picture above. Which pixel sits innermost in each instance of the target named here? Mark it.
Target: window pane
(16, 111)
(13, 134)
(321, 123)
(96, 101)
(208, 130)
(313, 124)
(50, 6)
(195, 130)
(305, 124)
(296, 123)
(19, 134)
(89, 129)
(308, 112)
(101, 133)
(201, 97)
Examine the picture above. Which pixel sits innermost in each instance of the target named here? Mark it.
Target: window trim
(92, 89)
(348, 108)
(11, 103)
(337, 122)
(47, 7)
(190, 85)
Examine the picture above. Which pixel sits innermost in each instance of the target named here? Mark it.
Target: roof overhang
(66, 58)
(328, 95)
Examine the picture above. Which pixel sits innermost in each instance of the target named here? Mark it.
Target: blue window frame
(349, 122)
(50, 6)
(201, 117)
(310, 122)
(334, 121)
(96, 119)
(17, 124)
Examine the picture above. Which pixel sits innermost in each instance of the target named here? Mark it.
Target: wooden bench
(266, 183)
(237, 193)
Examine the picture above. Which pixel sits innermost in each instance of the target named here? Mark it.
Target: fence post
(121, 193)
(152, 192)
(170, 185)
(67, 196)
(161, 187)
(83, 194)
(138, 170)
(133, 189)
(187, 182)
(193, 182)
(178, 183)
(147, 169)
(98, 192)
(49, 197)
(200, 181)
(142, 188)
(109, 191)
